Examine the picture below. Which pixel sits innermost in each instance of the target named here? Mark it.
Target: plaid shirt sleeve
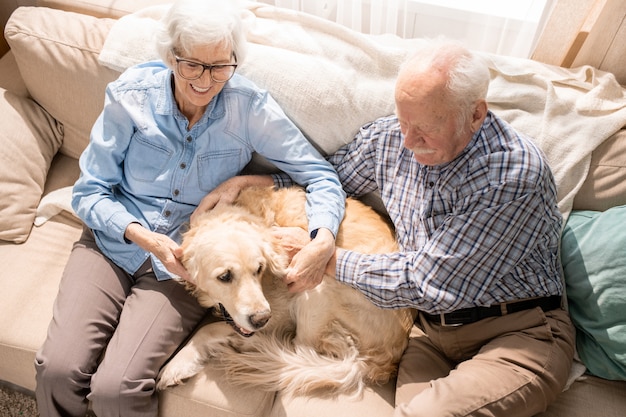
(483, 230)
(356, 162)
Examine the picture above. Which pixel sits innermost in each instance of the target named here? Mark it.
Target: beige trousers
(110, 334)
(508, 366)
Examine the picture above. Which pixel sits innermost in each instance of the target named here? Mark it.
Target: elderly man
(474, 206)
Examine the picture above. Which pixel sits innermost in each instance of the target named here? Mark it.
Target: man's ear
(480, 112)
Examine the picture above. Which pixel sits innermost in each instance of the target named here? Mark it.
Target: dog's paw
(209, 341)
(171, 375)
(182, 367)
(167, 379)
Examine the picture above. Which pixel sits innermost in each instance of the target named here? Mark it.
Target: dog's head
(228, 253)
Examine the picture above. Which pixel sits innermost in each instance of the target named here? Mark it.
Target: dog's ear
(277, 261)
(189, 261)
(192, 277)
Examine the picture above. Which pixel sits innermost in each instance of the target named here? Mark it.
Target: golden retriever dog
(327, 341)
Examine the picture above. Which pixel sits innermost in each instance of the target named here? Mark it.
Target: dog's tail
(277, 365)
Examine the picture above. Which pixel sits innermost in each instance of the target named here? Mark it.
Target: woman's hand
(161, 246)
(227, 192)
(292, 239)
(308, 258)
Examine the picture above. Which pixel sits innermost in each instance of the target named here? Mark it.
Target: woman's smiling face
(193, 96)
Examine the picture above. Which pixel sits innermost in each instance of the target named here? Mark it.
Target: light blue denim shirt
(143, 165)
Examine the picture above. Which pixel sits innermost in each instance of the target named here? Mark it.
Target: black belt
(474, 314)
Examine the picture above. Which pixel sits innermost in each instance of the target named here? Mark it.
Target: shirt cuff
(346, 266)
(326, 220)
(118, 223)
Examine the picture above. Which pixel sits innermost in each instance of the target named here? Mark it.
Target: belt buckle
(442, 320)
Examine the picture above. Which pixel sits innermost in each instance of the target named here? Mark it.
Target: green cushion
(594, 261)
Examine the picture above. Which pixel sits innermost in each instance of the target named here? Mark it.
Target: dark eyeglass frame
(204, 68)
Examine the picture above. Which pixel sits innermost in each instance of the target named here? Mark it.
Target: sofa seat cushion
(590, 397)
(29, 139)
(594, 263)
(26, 299)
(209, 394)
(376, 401)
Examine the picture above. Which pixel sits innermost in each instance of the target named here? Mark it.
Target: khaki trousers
(109, 336)
(514, 365)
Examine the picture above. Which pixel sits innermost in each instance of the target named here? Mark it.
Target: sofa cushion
(10, 78)
(594, 262)
(29, 139)
(210, 394)
(605, 185)
(27, 297)
(377, 400)
(590, 396)
(57, 54)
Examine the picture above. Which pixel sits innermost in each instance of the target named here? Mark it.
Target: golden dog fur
(327, 341)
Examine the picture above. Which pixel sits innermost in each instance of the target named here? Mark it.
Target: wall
(586, 32)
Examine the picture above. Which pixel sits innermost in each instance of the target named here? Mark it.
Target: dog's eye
(261, 267)
(225, 277)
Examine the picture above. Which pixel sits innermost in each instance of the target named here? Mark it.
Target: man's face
(428, 122)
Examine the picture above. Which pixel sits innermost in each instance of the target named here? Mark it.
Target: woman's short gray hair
(192, 23)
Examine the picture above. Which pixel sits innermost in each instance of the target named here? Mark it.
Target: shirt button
(183, 165)
(431, 184)
(167, 213)
(189, 139)
(176, 192)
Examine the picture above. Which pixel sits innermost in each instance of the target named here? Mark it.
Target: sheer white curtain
(507, 27)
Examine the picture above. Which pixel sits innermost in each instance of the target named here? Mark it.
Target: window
(502, 27)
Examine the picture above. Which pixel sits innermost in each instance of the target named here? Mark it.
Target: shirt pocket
(145, 160)
(216, 167)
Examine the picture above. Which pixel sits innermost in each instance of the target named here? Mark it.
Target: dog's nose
(260, 319)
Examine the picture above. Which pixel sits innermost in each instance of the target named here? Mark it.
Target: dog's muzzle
(257, 320)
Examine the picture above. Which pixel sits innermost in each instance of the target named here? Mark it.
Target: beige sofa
(52, 90)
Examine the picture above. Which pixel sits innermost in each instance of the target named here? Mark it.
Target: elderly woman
(170, 136)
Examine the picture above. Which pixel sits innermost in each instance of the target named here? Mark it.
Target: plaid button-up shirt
(481, 229)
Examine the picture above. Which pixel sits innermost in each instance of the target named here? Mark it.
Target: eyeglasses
(192, 70)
